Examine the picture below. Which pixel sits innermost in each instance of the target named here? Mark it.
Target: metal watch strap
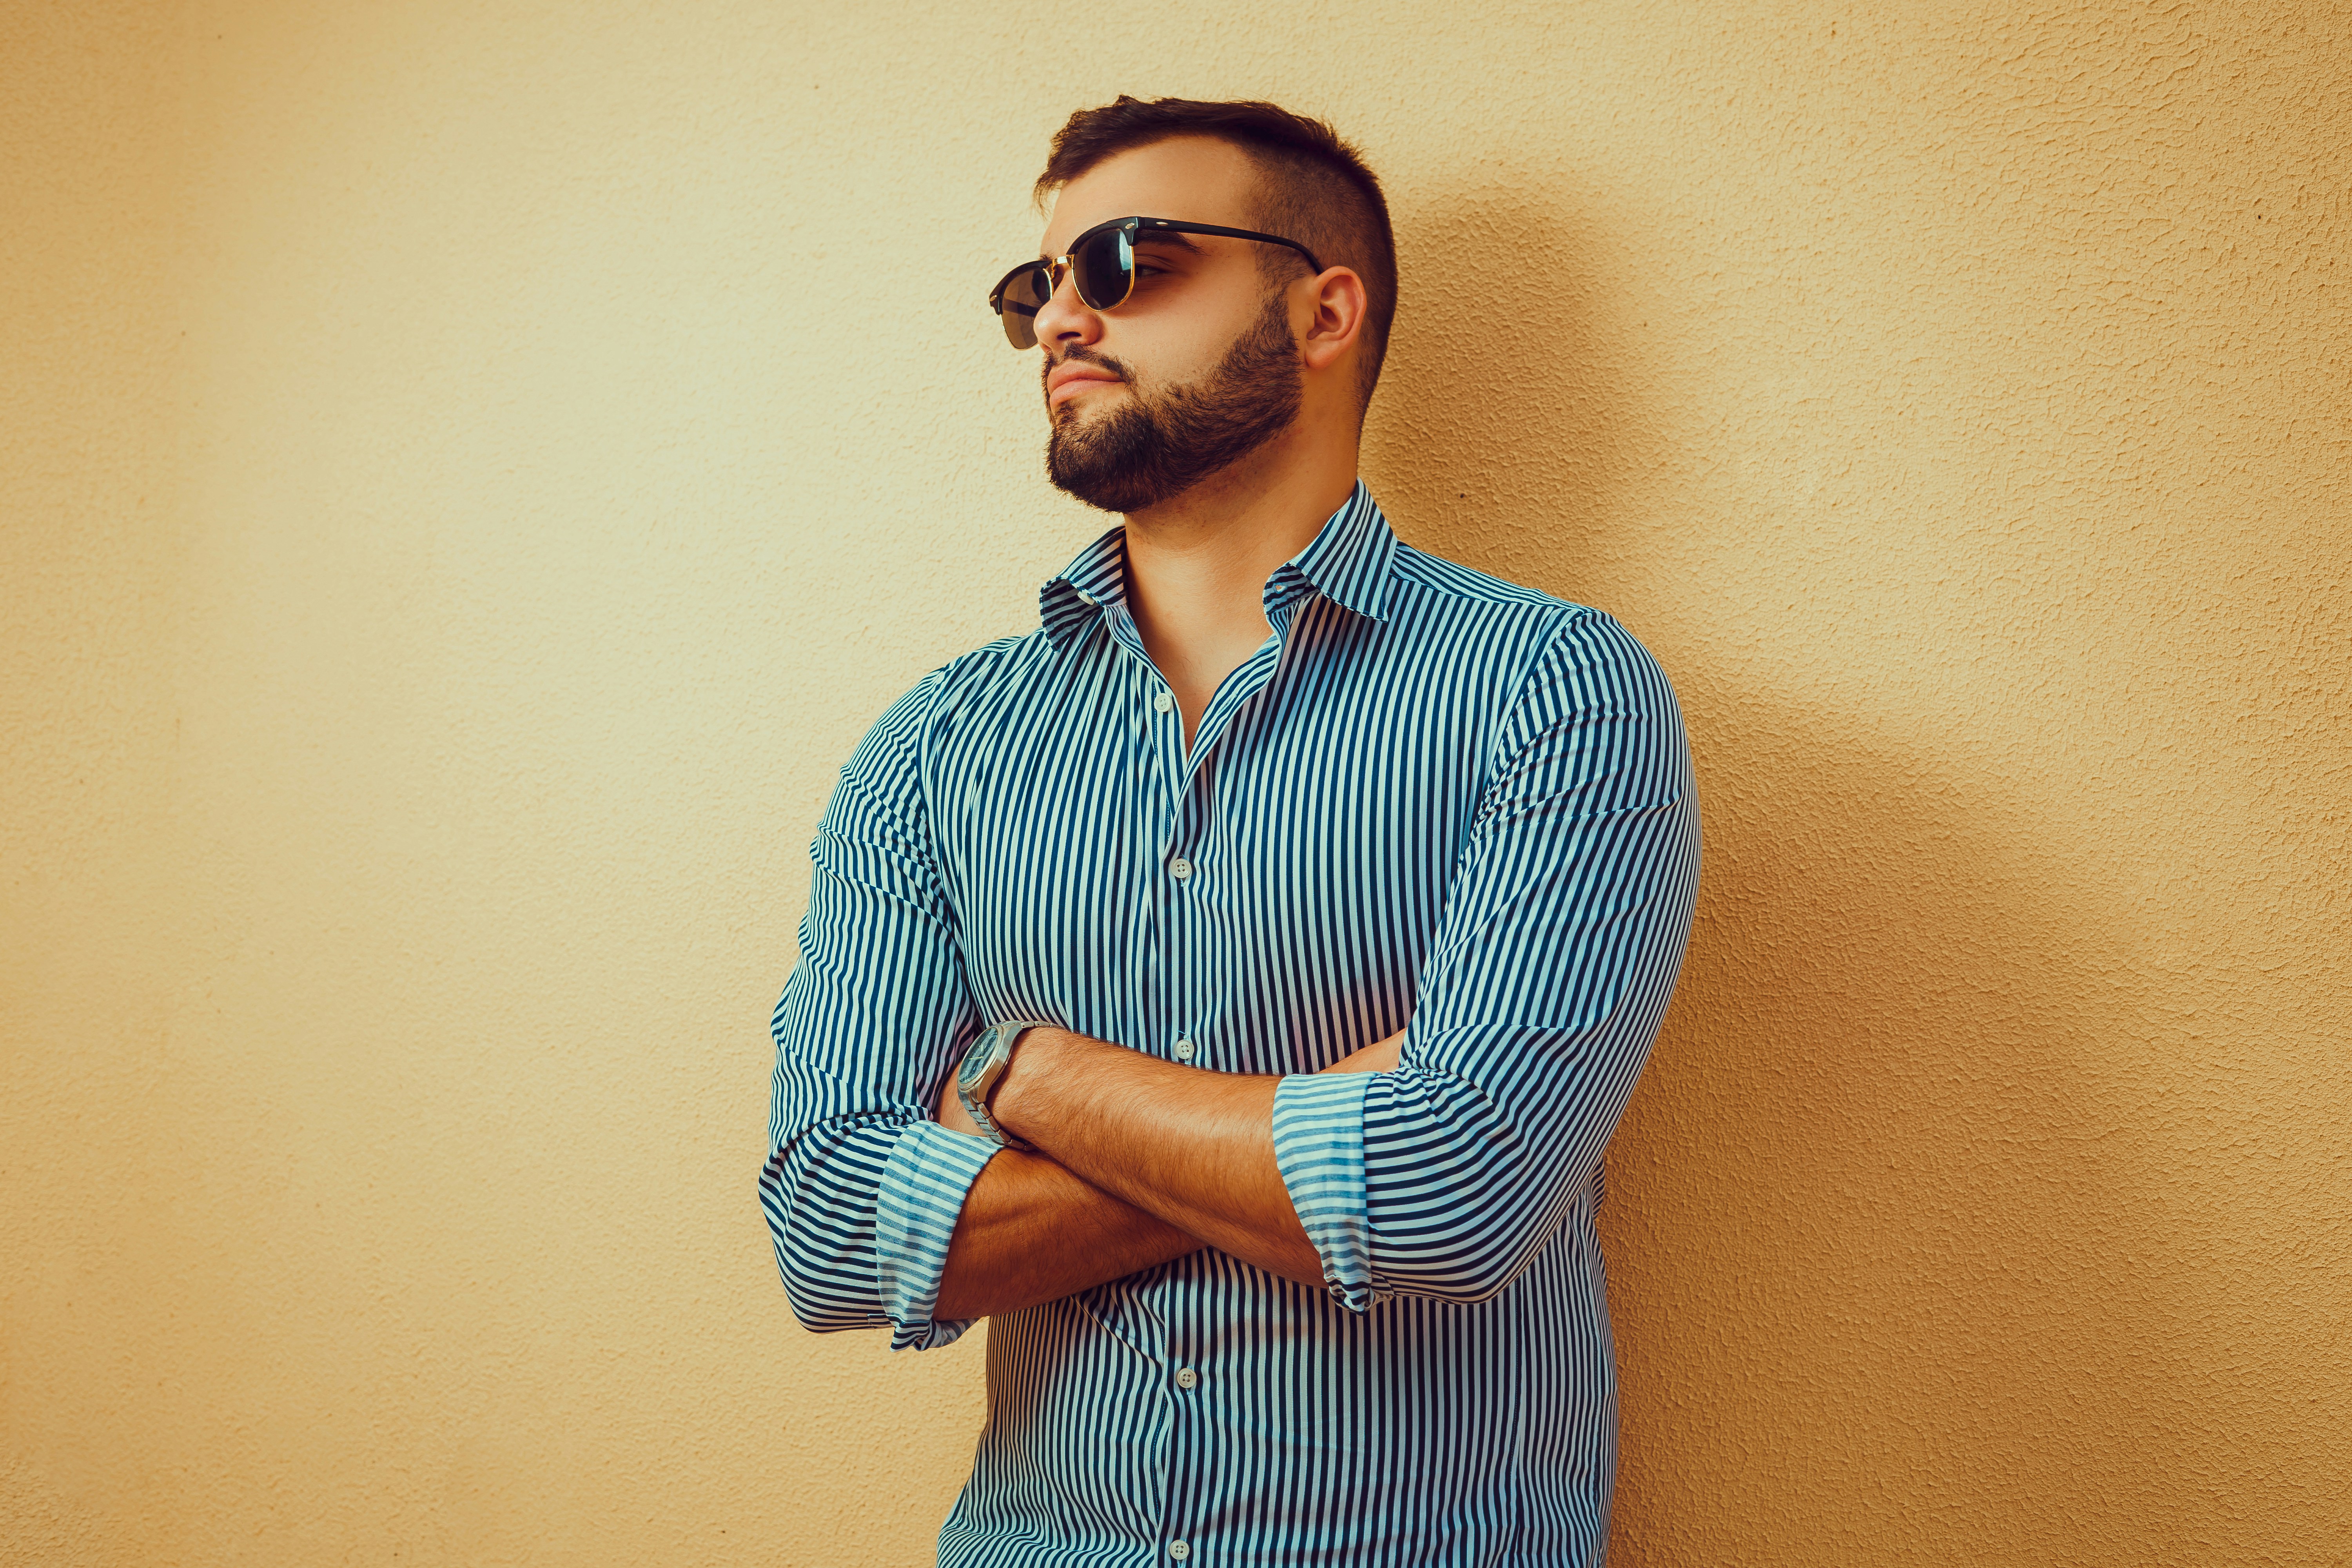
(976, 1105)
(998, 1040)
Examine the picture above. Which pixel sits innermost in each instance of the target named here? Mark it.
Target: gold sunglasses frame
(1066, 265)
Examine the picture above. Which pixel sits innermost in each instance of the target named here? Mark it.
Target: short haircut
(1317, 190)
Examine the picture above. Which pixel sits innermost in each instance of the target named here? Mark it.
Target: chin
(1069, 412)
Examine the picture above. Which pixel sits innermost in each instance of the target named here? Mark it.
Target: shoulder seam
(1426, 571)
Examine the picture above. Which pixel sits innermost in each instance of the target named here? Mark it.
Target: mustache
(1082, 356)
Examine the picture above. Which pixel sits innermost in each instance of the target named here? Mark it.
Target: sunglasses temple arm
(1243, 234)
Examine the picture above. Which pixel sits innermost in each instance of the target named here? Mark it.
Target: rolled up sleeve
(862, 1188)
(1552, 965)
(1318, 1146)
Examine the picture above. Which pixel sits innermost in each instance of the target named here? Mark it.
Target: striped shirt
(1429, 795)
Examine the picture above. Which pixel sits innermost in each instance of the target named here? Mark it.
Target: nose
(1065, 319)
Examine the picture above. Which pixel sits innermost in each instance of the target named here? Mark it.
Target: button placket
(1186, 1004)
(1186, 1457)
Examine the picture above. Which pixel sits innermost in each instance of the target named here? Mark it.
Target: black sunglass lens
(1017, 306)
(1105, 266)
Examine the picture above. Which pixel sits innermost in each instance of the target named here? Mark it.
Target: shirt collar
(1070, 604)
(1348, 562)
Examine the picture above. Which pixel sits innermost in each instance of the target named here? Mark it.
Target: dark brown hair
(1317, 190)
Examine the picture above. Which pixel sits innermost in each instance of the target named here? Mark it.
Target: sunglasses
(1102, 263)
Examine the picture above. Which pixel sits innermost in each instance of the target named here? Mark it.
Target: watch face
(975, 1062)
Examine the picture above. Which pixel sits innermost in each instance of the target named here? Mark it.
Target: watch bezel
(974, 1064)
(982, 1066)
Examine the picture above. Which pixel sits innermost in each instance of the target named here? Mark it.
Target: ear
(1335, 303)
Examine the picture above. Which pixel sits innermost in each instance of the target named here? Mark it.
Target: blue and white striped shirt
(1429, 795)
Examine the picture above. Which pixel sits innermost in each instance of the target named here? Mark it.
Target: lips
(1072, 377)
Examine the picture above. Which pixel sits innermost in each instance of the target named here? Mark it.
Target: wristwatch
(984, 1067)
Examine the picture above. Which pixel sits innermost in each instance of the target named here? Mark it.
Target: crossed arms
(1439, 1167)
(1139, 1161)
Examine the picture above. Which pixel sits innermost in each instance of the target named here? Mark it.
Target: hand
(1379, 1056)
(952, 1115)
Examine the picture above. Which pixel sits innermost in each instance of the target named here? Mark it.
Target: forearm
(1030, 1231)
(1193, 1150)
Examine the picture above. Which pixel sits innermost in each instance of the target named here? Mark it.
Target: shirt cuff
(921, 1196)
(1318, 1146)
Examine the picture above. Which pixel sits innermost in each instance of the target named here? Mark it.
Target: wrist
(1032, 1062)
(985, 1065)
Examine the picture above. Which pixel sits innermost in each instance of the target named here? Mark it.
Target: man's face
(1199, 367)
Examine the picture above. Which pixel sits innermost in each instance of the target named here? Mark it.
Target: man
(1230, 987)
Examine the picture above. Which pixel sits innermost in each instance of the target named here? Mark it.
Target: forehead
(1197, 179)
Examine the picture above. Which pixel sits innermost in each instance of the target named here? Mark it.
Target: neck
(1197, 563)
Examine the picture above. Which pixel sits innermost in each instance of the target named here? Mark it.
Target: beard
(1159, 447)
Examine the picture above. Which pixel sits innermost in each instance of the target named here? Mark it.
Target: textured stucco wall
(467, 476)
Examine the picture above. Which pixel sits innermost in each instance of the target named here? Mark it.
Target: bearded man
(1229, 988)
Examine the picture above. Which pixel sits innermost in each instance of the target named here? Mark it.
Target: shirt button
(1164, 703)
(1184, 1050)
(1085, 598)
(1180, 868)
(1179, 1551)
(1187, 1378)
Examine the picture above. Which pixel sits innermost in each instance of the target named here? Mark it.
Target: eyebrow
(1153, 236)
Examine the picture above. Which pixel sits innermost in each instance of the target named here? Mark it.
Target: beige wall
(470, 474)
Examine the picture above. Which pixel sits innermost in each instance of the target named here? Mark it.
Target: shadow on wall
(1881, 1233)
(1500, 424)
(1875, 1216)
